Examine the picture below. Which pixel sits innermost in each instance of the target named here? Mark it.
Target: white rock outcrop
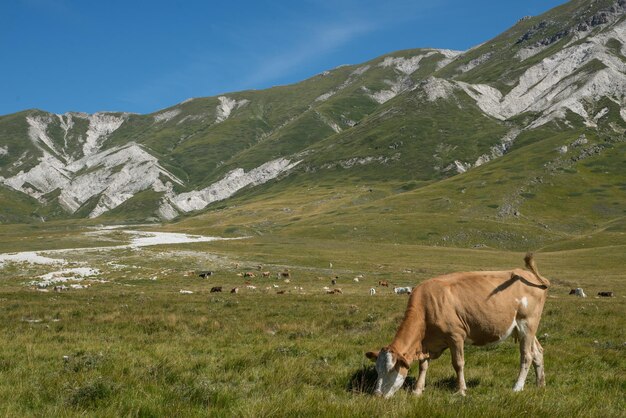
(226, 106)
(437, 88)
(100, 126)
(232, 182)
(167, 115)
(559, 83)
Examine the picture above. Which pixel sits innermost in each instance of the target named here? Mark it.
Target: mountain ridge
(411, 117)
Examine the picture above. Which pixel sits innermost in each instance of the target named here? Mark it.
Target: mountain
(524, 132)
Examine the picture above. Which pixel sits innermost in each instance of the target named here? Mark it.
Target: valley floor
(130, 343)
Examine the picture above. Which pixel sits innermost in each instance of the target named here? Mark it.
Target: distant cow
(285, 274)
(266, 274)
(479, 307)
(280, 292)
(334, 291)
(402, 290)
(333, 281)
(205, 274)
(605, 294)
(216, 289)
(384, 283)
(578, 292)
(234, 290)
(372, 291)
(249, 274)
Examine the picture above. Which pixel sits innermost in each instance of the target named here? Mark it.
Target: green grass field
(136, 346)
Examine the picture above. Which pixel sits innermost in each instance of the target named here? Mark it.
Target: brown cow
(249, 274)
(216, 289)
(384, 283)
(266, 274)
(478, 307)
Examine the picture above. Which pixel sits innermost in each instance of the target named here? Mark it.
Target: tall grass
(135, 346)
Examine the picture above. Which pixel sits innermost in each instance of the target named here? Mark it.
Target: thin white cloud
(319, 41)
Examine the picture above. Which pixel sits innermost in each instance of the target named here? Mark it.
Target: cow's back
(482, 306)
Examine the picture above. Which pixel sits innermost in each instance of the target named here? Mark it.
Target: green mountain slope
(517, 142)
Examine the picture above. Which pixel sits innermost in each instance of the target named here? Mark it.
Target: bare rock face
(232, 182)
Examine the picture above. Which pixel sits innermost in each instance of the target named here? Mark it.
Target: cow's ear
(402, 361)
(372, 355)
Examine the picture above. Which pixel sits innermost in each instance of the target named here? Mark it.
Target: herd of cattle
(286, 276)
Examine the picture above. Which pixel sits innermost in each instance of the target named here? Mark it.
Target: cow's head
(392, 369)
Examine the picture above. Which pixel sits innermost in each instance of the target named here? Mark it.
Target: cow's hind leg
(526, 340)
(421, 379)
(458, 362)
(538, 363)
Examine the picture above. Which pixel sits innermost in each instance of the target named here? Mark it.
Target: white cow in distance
(402, 290)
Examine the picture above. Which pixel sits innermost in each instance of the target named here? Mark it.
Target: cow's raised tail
(530, 265)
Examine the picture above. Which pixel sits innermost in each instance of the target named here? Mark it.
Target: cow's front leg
(421, 379)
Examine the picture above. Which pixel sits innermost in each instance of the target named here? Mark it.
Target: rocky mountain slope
(408, 122)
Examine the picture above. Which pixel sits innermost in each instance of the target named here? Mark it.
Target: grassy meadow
(135, 346)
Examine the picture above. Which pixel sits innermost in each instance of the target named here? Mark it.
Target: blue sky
(141, 56)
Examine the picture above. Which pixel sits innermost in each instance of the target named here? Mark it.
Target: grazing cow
(249, 274)
(333, 281)
(402, 290)
(234, 290)
(383, 283)
(578, 292)
(266, 274)
(478, 307)
(605, 294)
(205, 274)
(280, 292)
(285, 274)
(251, 287)
(216, 289)
(334, 292)
(372, 291)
